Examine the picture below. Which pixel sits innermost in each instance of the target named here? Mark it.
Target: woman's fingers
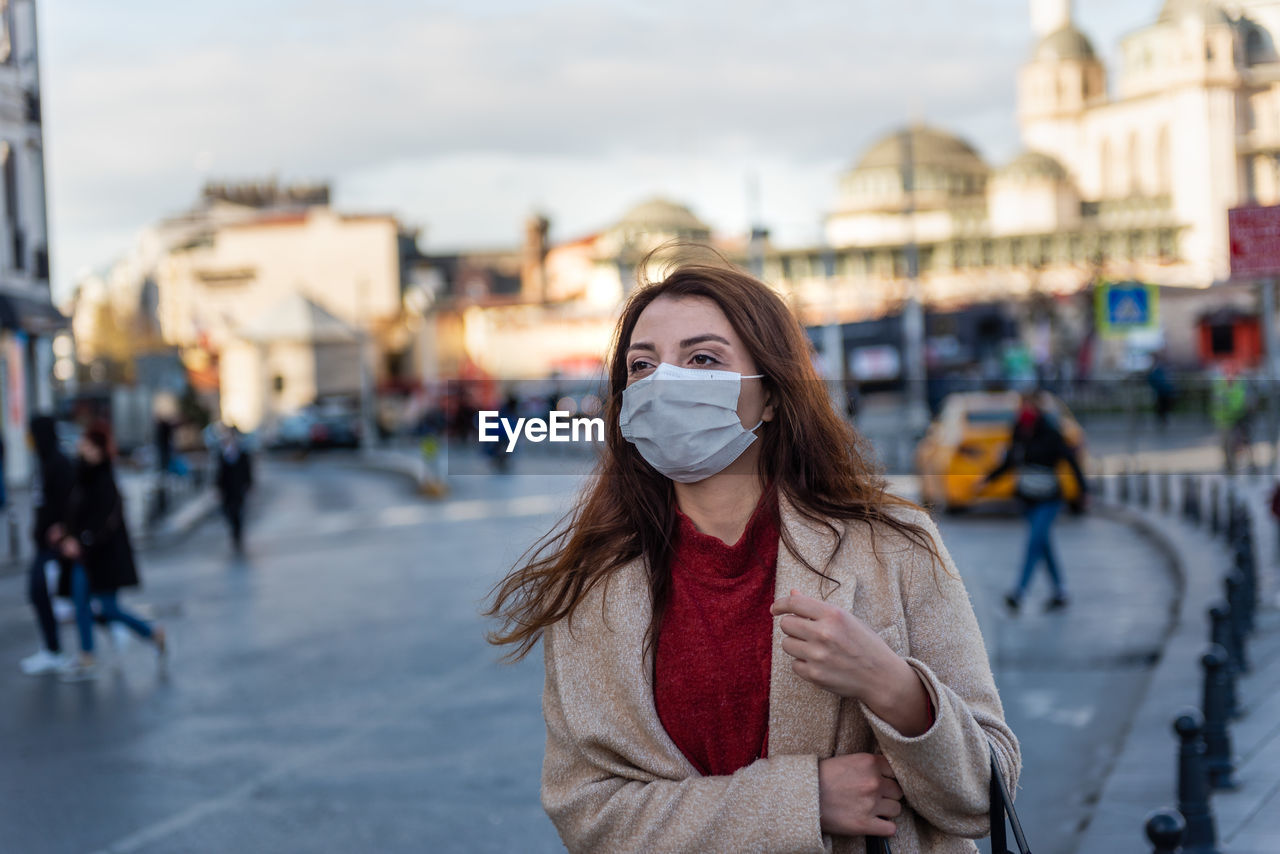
(800, 605)
(881, 827)
(886, 770)
(888, 808)
(890, 789)
(797, 649)
(800, 628)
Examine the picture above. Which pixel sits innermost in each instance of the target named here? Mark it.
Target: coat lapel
(802, 716)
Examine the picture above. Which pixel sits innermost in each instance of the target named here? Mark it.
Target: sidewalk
(1143, 777)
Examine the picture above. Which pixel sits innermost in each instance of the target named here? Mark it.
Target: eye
(638, 366)
(704, 360)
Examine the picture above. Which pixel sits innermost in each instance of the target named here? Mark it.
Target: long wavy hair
(628, 509)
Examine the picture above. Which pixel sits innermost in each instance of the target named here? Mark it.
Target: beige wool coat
(613, 781)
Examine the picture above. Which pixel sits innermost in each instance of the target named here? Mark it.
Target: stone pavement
(1143, 777)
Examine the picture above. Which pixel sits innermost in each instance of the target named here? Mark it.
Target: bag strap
(1002, 804)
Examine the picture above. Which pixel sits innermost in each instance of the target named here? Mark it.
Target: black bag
(1001, 805)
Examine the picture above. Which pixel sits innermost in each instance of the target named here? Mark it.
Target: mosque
(1127, 173)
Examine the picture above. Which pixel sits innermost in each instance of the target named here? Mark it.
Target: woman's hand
(71, 548)
(836, 651)
(858, 795)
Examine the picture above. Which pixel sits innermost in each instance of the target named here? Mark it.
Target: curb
(1130, 790)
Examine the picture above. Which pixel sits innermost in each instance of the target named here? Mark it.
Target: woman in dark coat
(96, 539)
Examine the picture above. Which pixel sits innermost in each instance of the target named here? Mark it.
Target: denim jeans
(38, 594)
(1040, 518)
(108, 608)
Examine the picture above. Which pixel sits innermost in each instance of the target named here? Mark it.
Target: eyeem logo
(560, 427)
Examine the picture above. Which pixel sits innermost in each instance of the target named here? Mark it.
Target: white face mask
(684, 421)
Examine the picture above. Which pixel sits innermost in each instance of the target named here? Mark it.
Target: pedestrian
(1163, 389)
(96, 541)
(1036, 447)
(749, 644)
(235, 479)
(1231, 409)
(52, 493)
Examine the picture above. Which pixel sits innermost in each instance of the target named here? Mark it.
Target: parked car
(969, 438)
(316, 428)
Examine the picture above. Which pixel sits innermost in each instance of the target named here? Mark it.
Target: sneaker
(1057, 603)
(44, 662)
(79, 671)
(1012, 602)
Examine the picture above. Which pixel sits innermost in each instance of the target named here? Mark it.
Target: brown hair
(628, 509)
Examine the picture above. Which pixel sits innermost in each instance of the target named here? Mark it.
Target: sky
(464, 117)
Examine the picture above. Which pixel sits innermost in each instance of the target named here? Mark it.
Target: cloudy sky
(464, 116)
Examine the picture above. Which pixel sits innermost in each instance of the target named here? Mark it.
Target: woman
(820, 680)
(1034, 452)
(96, 540)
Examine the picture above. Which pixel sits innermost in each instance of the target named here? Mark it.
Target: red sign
(1254, 234)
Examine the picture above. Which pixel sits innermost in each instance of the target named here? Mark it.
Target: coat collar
(802, 716)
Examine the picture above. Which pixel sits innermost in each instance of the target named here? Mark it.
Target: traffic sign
(1124, 307)
(1254, 235)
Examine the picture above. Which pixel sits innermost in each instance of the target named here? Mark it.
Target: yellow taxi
(969, 438)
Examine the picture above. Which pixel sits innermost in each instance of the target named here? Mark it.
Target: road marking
(1044, 705)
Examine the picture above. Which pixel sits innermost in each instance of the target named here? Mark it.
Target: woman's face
(692, 332)
(88, 451)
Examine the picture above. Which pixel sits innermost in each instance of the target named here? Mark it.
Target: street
(333, 691)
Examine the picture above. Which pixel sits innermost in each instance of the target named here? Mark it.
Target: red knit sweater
(714, 650)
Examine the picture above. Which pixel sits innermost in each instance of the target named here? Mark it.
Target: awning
(31, 315)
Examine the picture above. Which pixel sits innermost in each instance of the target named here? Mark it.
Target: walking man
(1036, 448)
(235, 478)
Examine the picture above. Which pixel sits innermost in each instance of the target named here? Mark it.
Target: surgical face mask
(684, 421)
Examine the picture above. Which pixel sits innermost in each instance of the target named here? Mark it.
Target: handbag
(1037, 483)
(1001, 807)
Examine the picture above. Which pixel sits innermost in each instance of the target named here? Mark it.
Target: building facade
(28, 320)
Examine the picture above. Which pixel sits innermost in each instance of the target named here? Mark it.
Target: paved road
(333, 693)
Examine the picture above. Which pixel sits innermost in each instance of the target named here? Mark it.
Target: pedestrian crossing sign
(1124, 307)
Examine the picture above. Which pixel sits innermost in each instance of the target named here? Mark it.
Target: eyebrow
(686, 343)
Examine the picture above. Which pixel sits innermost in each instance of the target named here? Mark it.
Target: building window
(1135, 166)
(1105, 170)
(1164, 167)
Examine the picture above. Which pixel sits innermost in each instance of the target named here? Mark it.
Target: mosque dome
(662, 216)
(1031, 165)
(1067, 43)
(1178, 10)
(930, 147)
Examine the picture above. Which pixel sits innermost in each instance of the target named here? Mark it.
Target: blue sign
(1127, 306)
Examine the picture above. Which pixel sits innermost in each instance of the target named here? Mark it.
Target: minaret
(1049, 16)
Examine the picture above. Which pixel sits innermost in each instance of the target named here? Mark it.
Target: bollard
(1234, 585)
(1144, 489)
(1220, 634)
(1165, 829)
(1165, 483)
(1244, 566)
(1194, 493)
(1193, 787)
(1231, 518)
(1217, 739)
(1122, 484)
(15, 539)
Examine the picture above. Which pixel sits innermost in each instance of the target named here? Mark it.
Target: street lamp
(915, 414)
